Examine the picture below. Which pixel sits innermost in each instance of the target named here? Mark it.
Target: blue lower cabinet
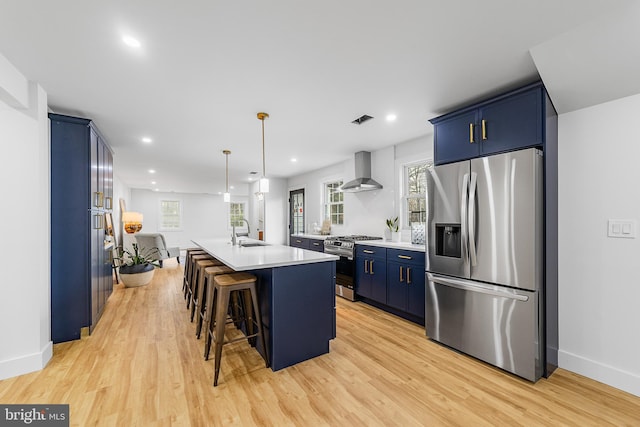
(297, 306)
(371, 273)
(392, 280)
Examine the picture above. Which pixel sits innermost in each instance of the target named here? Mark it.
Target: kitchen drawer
(371, 252)
(405, 257)
(316, 245)
(299, 242)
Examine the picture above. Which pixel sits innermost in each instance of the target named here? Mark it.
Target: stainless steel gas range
(345, 248)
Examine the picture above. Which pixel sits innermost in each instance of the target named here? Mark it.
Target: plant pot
(133, 276)
(395, 236)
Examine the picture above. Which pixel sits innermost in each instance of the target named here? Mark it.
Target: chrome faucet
(248, 227)
(234, 240)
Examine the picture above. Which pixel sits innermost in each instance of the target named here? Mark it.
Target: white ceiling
(206, 67)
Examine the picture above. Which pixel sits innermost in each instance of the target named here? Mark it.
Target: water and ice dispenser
(448, 240)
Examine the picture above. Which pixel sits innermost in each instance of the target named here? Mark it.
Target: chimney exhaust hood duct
(363, 181)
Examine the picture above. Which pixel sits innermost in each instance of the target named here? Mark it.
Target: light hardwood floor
(143, 366)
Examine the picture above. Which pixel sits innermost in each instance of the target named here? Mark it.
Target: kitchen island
(296, 291)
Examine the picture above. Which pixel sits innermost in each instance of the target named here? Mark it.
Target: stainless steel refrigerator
(484, 259)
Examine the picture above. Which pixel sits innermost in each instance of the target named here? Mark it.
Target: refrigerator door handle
(472, 218)
(464, 198)
(476, 287)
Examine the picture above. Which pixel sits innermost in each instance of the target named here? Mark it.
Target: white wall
(203, 215)
(599, 284)
(25, 314)
(365, 212)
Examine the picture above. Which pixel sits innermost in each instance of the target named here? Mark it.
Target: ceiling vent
(360, 120)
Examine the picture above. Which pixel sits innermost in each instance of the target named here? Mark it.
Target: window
(334, 202)
(415, 203)
(236, 214)
(170, 215)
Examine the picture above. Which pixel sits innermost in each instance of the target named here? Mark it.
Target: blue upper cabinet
(508, 122)
(455, 138)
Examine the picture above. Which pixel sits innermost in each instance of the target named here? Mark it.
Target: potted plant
(137, 266)
(392, 225)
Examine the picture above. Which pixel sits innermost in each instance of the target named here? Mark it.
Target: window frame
(326, 203)
(161, 222)
(244, 205)
(406, 196)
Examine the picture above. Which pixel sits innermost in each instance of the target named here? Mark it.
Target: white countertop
(313, 236)
(255, 257)
(393, 245)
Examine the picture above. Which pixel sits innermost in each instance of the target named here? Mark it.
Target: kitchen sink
(249, 245)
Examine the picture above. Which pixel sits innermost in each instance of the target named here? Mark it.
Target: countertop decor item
(137, 266)
(392, 225)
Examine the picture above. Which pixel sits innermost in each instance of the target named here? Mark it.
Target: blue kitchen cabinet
(81, 198)
(371, 273)
(405, 281)
(511, 121)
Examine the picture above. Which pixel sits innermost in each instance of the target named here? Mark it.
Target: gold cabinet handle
(471, 140)
(401, 278)
(366, 263)
(108, 204)
(404, 257)
(484, 130)
(98, 199)
(366, 251)
(97, 221)
(371, 267)
(408, 275)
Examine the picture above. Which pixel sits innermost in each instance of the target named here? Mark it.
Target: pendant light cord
(264, 173)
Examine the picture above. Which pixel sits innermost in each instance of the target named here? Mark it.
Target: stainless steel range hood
(363, 181)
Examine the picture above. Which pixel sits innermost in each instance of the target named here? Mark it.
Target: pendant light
(227, 196)
(263, 184)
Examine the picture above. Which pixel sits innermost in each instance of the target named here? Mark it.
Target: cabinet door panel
(396, 288)
(512, 123)
(378, 273)
(415, 290)
(362, 277)
(452, 138)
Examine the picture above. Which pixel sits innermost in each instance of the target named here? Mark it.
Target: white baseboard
(623, 380)
(27, 363)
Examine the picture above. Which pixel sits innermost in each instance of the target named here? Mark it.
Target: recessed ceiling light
(231, 187)
(152, 171)
(155, 189)
(219, 192)
(391, 117)
(153, 183)
(147, 140)
(131, 41)
(293, 160)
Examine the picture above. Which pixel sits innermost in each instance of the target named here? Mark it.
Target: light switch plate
(623, 228)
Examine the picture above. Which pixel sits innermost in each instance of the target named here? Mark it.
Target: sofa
(149, 241)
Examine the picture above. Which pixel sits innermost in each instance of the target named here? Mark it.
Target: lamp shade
(132, 222)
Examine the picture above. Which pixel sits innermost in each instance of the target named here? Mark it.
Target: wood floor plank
(143, 366)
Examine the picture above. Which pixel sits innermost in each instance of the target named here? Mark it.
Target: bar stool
(223, 286)
(197, 272)
(187, 267)
(192, 274)
(205, 294)
(189, 252)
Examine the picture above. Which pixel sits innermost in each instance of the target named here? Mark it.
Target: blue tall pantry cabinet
(81, 197)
